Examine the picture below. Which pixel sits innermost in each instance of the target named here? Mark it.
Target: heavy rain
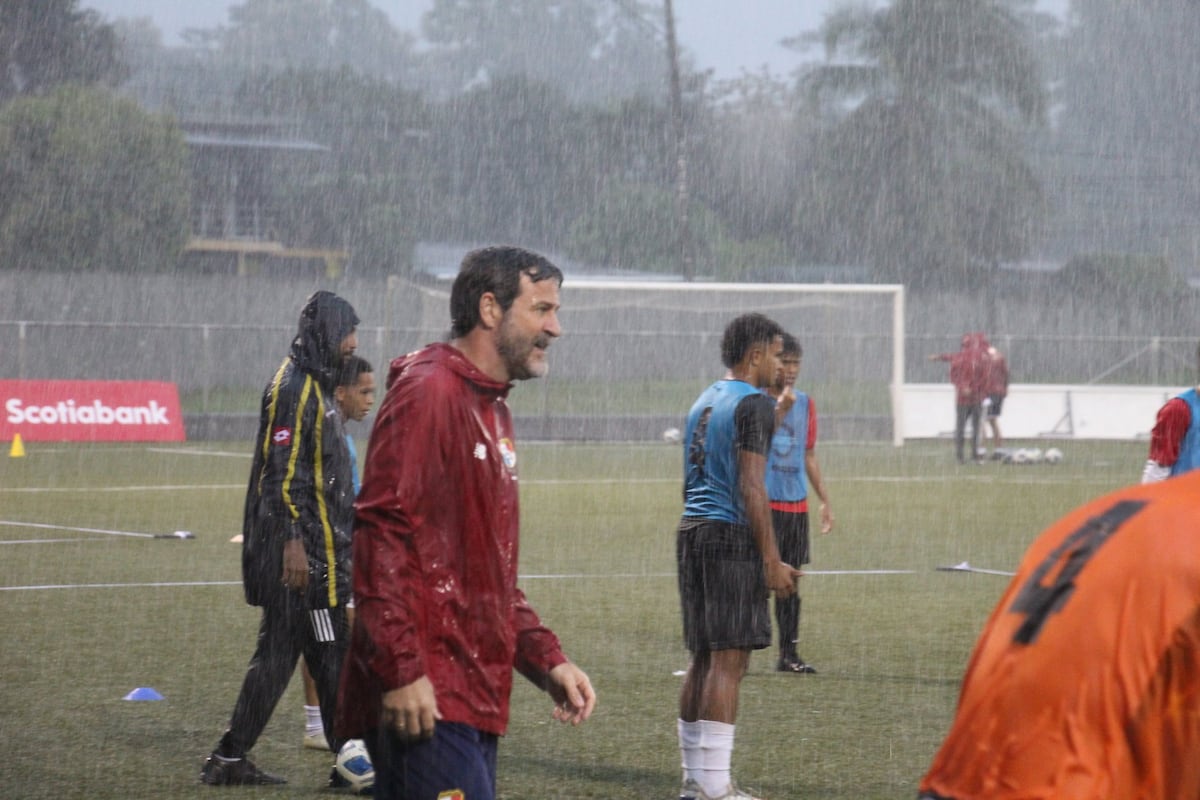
(886, 179)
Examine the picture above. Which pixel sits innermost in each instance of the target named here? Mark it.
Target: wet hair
(353, 366)
(791, 346)
(497, 270)
(743, 334)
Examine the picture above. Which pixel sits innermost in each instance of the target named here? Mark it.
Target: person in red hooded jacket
(969, 374)
(296, 525)
(441, 623)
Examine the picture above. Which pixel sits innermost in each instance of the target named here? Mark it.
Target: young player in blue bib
(726, 553)
(791, 467)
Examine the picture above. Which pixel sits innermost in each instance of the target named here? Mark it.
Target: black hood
(325, 321)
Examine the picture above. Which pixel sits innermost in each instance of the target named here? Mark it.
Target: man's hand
(826, 518)
(411, 711)
(295, 565)
(572, 693)
(781, 578)
(786, 400)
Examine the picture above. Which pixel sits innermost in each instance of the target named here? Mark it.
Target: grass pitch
(92, 614)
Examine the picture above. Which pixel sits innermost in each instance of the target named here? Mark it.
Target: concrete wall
(1045, 411)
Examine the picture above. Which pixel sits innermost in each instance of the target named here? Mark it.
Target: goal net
(635, 355)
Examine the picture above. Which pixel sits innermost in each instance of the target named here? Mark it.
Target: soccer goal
(635, 354)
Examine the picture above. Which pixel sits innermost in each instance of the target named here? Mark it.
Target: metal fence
(206, 360)
(219, 338)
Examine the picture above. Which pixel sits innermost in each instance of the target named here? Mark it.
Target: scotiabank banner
(90, 411)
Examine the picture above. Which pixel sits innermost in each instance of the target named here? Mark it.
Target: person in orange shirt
(1085, 682)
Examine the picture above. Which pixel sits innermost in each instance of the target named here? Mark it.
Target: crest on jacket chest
(508, 453)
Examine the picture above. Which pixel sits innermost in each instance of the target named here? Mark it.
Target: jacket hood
(325, 320)
(975, 341)
(451, 358)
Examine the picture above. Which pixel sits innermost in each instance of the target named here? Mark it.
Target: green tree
(1121, 280)
(511, 160)
(44, 43)
(309, 35)
(748, 147)
(920, 171)
(588, 49)
(363, 194)
(628, 227)
(90, 181)
(1125, 173)
(632, 227)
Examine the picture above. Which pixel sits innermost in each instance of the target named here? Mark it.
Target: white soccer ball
(354, 765)
(1053, 455)
(672, 436)
(1035, 455)
(1020, 456)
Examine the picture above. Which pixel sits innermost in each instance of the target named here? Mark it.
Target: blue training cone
(143, 693)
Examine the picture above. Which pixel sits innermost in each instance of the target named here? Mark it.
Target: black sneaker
(795, 665)
(219, 771)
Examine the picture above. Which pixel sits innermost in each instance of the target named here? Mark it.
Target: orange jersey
(1085, 683)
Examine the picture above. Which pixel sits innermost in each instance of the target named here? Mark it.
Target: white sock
(689, 748)
(312, 720)
(716, 753)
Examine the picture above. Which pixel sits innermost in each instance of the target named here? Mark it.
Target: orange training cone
(18, 447)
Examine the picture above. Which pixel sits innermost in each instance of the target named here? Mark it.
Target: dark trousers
(287, 630)
(791, 536)
(458, 757)
(962, 414)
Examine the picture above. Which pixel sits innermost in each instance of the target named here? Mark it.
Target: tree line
(924, 142)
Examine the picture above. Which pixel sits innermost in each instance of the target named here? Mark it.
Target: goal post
(637, 353)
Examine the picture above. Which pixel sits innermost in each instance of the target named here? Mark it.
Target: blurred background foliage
(926, 142)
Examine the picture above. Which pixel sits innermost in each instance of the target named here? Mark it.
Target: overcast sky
(719, 37)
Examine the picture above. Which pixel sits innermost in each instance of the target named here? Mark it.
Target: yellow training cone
(18, 448)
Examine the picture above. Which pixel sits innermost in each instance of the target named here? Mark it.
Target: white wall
(1044, 410)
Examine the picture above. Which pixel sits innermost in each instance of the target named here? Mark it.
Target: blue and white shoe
(691, 790)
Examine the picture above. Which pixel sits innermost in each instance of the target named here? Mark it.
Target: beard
(523, 356)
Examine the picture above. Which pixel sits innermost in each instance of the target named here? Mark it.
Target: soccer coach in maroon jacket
(441, 623)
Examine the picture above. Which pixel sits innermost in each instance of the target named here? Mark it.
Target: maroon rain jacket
(435, 551)
(969, 369)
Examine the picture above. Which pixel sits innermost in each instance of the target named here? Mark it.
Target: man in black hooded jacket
(296, 536)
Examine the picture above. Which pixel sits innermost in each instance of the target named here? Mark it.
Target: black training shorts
(722, 587)
(791, 536)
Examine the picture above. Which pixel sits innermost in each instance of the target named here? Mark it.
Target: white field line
(1013, 480)
(574, 575)
(969, 568)
(541, 482)
(164, 584)
(564, 576)
(182, 451)
(51, 541)
(158, 488)
(45, 527)
(1024, 479)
